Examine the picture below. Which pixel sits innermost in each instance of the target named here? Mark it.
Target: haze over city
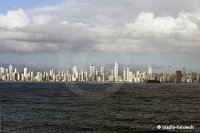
(60, 34)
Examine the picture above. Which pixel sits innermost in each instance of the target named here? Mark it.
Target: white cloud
(79, 26)
(42, 19)
(14, 19)
(147, 22)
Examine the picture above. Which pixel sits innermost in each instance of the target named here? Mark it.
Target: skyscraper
(81, 75)
(25, 73)
(124, 75)
(32, 75)
(102, 69)
(74, 72)
(184, 72)
(138, 75)
(169, 70)
(127, 73)
(116, 71)
(169, 73)
(92, 70)
(11, 72)
(178, 76)
(150, 70)
(2, 70)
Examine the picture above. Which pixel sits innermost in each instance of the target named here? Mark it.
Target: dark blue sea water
(86, 107)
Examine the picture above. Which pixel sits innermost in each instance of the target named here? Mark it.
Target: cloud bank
(82, 26)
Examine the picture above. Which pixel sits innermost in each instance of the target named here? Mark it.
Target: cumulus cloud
(75, 26)
(14, 19)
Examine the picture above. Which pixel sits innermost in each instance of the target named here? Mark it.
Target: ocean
(99, 107)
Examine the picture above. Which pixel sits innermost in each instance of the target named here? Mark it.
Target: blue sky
(57, 33)
(7, 5)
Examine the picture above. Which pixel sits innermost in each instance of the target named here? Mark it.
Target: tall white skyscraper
(102, 69)
(92, 70)
(74, 72)
(116, 72)
(127, 73)
(25, 71)
(11, 72)
(124, 75)
(81, 75)
(150, 70)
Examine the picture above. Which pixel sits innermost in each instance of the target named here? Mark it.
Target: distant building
(92, 70)
(184, 72)
(150, 70)
(102, 70)
(178, 76)
(116, 72)
(2, 70)
(25, 71)
(169, 73)
(11, 72)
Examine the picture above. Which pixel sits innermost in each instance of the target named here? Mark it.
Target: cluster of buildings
(12, 74)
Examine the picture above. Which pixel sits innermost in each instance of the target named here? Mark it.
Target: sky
(44, 34)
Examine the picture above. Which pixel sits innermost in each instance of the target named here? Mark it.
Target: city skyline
(12, 74)
(59, 33)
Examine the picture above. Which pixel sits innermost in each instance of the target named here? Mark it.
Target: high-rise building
(127, 73)
(2, 70)
(32, 75)
(116, 72)
(85, 76)
(150, 70)
(92, 70)
(11, 72)
(178, 76)
(138, 76)
(169, 70)
(25, 73)
(184, 72)
(169, 73)
(124, 75)
(75, 72)
(102, 69)
(81, 75)
(39, 76)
